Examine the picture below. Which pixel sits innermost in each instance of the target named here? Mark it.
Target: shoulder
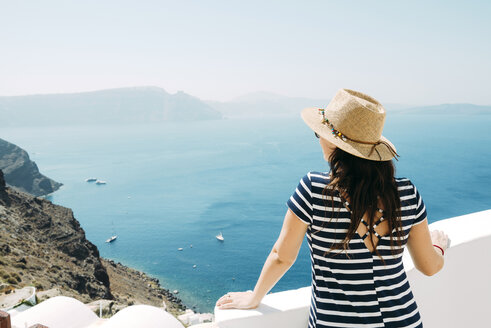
(318, 177)
(315, 182)
(404, 186)
(407, 191)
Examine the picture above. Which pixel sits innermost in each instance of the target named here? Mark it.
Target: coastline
(130, 286)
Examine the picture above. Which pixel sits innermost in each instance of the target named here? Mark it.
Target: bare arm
(281, 258)
(426, 258)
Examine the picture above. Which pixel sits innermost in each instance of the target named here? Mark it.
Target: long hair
(368, 185)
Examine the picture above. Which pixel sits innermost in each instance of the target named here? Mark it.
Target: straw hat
(352, 121)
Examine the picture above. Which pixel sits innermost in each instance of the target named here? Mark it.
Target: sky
(403, 52)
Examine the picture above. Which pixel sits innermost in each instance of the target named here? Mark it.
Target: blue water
(179, 184)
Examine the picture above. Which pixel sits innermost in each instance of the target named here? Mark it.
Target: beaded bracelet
(443, 252)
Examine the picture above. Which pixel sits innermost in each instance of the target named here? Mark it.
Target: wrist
(256, 298)
(440, 248)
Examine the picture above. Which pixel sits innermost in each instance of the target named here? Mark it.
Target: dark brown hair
(368, 185)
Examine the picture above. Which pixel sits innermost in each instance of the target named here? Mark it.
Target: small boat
(99, 182)
(194, 266)
(176, 291)
(220, 237)
(90, 179)
(180, 249)
(110, 240)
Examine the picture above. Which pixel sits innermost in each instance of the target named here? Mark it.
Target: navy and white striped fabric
(354, 288)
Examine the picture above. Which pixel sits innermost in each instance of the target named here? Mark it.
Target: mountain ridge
(110, 106)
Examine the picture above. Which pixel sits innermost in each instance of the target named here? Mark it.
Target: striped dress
(359, 291)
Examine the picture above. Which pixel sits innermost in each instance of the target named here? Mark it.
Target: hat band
(338, 134)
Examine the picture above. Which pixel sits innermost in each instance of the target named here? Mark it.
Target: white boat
(110, 240)
(100, 182)
(220, 237)
(180, 249)
(90, 179)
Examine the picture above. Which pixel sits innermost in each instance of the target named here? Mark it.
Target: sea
(179, 184)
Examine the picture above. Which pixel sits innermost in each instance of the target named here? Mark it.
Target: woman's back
(356, 287)
(357, 225)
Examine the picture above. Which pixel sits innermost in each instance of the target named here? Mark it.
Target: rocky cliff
(43, 245)
(23, 174)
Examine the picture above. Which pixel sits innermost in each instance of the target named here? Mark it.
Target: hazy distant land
(465, 109)
(153, 105)
(263, 104)
(126, 105)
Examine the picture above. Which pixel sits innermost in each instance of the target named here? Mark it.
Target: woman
(358, 218)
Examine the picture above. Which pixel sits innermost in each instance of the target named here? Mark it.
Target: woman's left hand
(237, 300)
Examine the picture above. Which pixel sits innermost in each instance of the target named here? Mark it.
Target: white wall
(460, 294)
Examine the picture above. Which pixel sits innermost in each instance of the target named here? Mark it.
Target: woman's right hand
(237, 300)
(439, 238)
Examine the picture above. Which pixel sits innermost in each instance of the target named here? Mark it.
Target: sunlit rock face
(43, 244)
